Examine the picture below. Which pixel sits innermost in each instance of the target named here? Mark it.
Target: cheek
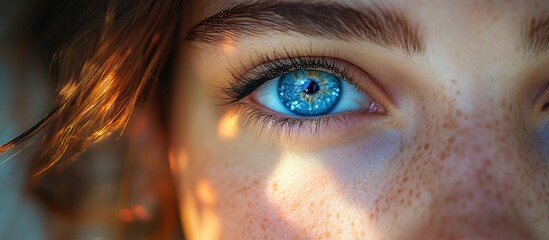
(327, 194)
(235, 188)
(223, 188)
(311, 198)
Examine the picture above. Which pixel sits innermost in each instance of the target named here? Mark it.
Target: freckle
(442, 156)
(275, 187)
(453, 81)
(426, 146)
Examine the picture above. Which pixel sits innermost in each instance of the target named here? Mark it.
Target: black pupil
(311, 87)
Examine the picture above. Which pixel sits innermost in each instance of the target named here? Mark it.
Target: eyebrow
(379, 25)
(535, 35)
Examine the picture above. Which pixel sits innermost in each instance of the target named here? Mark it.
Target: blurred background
(119, 189)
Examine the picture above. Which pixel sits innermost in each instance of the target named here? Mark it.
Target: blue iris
(309, 92)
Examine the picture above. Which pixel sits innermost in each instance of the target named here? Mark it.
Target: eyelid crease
(542, 94)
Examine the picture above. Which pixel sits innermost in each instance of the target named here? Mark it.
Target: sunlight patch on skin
(228, 46)
(199, 212)
(227, 127)
(199, 201)
(205, 193)
(307, 197)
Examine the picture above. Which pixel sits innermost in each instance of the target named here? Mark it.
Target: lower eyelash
(277, 125)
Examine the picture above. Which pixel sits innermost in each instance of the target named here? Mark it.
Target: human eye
(311, 93)
(305, 94)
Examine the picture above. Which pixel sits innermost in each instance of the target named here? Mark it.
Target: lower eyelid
(344, 125)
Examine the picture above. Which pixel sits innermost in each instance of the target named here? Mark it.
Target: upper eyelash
(246, 83)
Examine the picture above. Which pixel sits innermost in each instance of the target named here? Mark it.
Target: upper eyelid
(321, 63)
(282, 54)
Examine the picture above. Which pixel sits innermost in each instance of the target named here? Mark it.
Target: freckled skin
(458, 157)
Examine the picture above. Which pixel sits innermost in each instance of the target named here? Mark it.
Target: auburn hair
(105, 60)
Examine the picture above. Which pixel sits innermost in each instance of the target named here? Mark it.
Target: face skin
(460, 152)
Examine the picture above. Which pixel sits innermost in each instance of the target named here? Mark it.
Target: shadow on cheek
(316, 192)
(544, 140)
(364, 156)
(284, 194)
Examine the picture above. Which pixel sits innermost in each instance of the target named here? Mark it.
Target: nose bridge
(479, 185)
(479, 148)
(476, 153)
(482, 156)
(474, 175)
(476, 130)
